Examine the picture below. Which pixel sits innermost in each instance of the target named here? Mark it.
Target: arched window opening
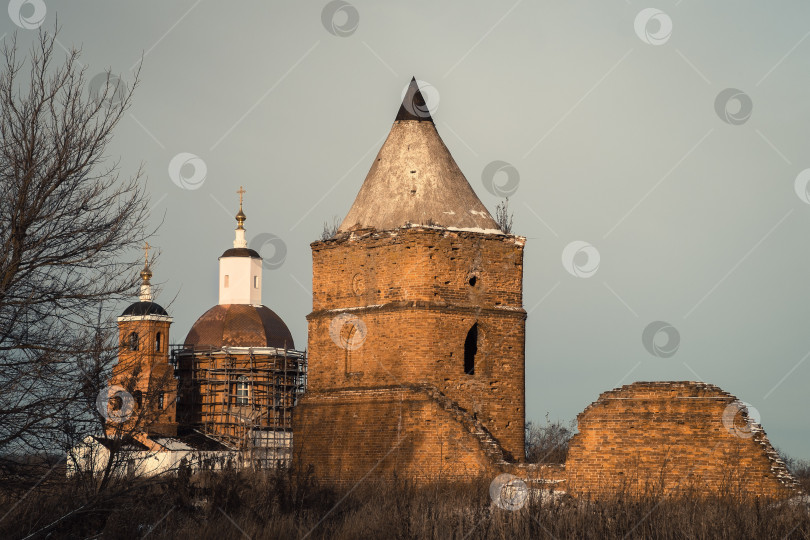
(157, 342)
(352, 336)
(160, 401)
(242, 390)
(133, 341)
(470, 350)
(226, 280)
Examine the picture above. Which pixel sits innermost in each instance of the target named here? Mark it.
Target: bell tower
(240, 268)
(146, 400)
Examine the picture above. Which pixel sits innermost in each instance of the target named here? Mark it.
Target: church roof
(239, 325)
(144, 308)
(241, 252)
(414, 180)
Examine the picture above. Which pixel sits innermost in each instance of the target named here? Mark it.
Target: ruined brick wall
(672, 437)
(395, 308)
(409, 431)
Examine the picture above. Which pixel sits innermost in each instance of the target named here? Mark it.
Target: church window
(225, 284)
(242, 390)
(133, 341)
(471, 350)
(158, 339)
(160, 400)
(255, 282)
(138, 395)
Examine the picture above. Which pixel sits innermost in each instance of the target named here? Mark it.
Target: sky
(653, 153)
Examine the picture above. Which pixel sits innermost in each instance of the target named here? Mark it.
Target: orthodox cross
(241, 192)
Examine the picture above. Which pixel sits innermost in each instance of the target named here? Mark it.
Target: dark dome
(144, 308)
(239, 325)
(241, 252)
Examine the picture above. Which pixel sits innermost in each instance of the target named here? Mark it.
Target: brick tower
(416, 337)
(143, 369)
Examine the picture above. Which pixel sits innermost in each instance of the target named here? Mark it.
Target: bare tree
(68, 225)
(548, 443)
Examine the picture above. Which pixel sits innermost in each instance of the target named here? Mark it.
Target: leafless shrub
(799, 468)
(548, 443)
(503, 216)
(330, 230)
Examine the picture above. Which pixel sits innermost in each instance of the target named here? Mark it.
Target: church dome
(144, 308)
(239, 325)
(241, 252)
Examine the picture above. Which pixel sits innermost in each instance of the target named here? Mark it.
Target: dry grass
(284, 505)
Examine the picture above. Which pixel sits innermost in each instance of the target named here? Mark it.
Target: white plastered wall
(244, 280)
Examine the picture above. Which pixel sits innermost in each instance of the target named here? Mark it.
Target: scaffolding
(243, 397)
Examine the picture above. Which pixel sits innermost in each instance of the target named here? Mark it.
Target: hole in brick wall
(473, 281)
(471, 350)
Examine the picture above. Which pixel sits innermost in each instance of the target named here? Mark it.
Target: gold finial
(241, 217)
(146, 254)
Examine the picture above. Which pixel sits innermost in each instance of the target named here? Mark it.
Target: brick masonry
(147, 375)
(673, 437)
(391, 314)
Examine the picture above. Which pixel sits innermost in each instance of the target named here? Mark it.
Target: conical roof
(414, 180)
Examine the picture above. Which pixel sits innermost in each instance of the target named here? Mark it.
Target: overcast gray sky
(616, 124)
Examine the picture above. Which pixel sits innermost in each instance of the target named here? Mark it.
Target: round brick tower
(417, 333)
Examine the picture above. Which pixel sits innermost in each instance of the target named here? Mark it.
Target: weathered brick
(669, 438)
(412, 298)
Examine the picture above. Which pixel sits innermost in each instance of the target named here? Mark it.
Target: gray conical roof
(414, 180)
